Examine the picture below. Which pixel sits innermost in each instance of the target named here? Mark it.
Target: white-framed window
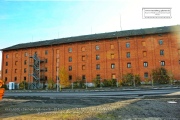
(127, 45)
(97, 66)
(162, 63)
(112, 66)
(70, 50)
(160, 42)
(97, 57)
(128, 65)
(161, 52)
(145, 64)
(128, 55)
(97, 47)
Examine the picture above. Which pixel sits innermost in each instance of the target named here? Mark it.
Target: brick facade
(109, 58)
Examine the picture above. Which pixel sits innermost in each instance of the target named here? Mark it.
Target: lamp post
(57, 79)
(100, 83)
(134, 81)
(152, 82)
(86, 68)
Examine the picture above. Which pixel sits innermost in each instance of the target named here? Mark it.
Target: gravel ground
(109, 108)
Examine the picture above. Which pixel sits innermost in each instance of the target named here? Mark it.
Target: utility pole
(57, 79)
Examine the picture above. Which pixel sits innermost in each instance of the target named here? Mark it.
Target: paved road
(91, 94)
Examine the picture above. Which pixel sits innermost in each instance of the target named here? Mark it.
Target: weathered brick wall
(58, 57)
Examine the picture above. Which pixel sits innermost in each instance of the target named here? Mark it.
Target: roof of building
(126, 33)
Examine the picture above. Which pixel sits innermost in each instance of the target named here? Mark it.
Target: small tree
(64, 79)
(127, 79)
(137, 80)
(160, 76)
(50, 83)
(79, 83)
(171, 77)
(23, 85)
(97, 81)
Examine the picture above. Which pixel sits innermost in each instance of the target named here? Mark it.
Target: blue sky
(24, 21)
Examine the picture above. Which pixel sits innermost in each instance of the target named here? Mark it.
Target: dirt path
(91, 108)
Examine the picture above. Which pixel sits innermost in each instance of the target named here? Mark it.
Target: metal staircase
(37, 71)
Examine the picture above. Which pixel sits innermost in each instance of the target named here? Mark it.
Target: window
(83, 49)
(83, 77)
(97, 47)
(112, 46)
(113, 76)
(46, 60)
(6, 71)
(70, 50)
(97, 66)
(24, 70)
(145, 64)
(70, 68)
(46, 52)
(145, 75)
(46, 69)
(15, 78)
(6, 63)
(144, 53)
(128, 54)
(128, 65)
(6, 79)
(97, 57)
(25, 62)
(25, 54)
(7, 56)
(70, 59)
(15, 71)
(70, 77)
(16, 62)
(143, 43)
(57, 69)
(162, 63)
(160, 42)
(57, 51)
(112, 66)
(83, 67)
(16, 55)
(128, 45)
(57, 60)
(161, 52)
(112, 56)
(45, 78)
(83, 58)
(24, 78)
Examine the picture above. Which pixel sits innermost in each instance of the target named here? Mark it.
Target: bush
(109, 83)
(79, 83)
(160, 76)
(127, 79)
(50, 84)
(97, 81)
(137, 80)
(23, 85)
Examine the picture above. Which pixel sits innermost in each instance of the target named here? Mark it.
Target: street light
(100, 83)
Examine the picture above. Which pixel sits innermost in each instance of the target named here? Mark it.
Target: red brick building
(108, 55)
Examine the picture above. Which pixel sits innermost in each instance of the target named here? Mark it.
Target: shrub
(23, 85)
(50, 84)
(127, 79)
(109, 83)
(160, 76)
(97, 81)
(137, 80)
